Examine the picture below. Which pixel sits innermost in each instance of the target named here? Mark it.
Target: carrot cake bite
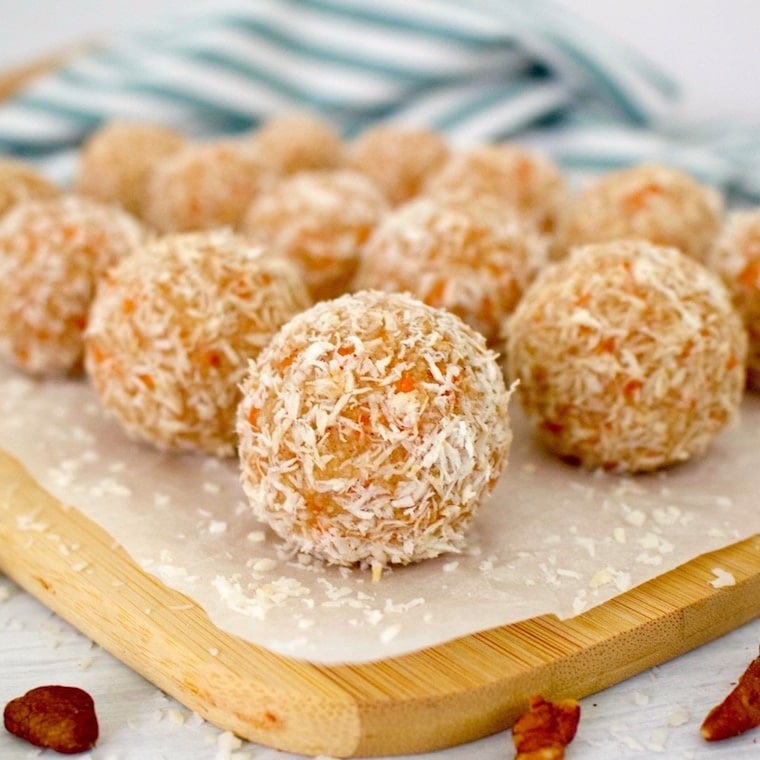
(736, 259)
(116, 161)
(206, 185)
(22, 182)
(172, 329)
(660, 204)
(320, 220)
(296, 142)
(371, 429)
(399, 159)
(529, 184)
(629, 356)
(470, 256)
(53, 252)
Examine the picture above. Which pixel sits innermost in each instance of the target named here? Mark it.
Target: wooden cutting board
(428, 700)
(423, 701)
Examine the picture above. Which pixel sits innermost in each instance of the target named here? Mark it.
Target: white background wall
(711, 46)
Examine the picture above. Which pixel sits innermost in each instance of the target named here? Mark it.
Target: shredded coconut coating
(469, 256)
(736, 259)
(371, 429)
(320, 221)
(116, 161)
(206, 185)
(530, 184)
(296, 142)
(398, 159)
(20, 182)
(630, 356)
(663, 205)
(172, 329)
(52, 254)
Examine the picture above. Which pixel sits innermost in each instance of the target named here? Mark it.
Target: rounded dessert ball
(663, 205)
(371, 429)
(297, 142)
(21, 182)
(629, 356)
(474, 259)
(206, 185)
(320, 221)
(530, 184)
(52, 254)
(736, 259)
(172, 329)
(118, 158)
(398, 159)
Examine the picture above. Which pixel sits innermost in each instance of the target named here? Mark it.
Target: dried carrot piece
(405, 384)
(636, 200)
(750, 275)
(214, 358)
(631, 388)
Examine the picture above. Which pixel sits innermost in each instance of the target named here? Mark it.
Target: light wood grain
(13, 80)
(427, 700)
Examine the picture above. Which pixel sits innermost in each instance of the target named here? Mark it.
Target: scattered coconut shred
(272, 554)
(185, 519)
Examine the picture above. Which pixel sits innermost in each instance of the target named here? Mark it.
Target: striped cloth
(479, 71)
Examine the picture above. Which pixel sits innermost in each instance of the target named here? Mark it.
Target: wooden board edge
(14, 79)
(639, 629)
(74, 568)
(439, 697)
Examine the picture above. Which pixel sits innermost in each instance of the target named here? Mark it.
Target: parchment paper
(552, 539)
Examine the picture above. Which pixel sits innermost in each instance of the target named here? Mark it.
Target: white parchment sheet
(552, 539)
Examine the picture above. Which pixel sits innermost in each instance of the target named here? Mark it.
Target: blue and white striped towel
(484, 70)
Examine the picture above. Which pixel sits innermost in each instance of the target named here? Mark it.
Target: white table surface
(657, 713)
(711, 47)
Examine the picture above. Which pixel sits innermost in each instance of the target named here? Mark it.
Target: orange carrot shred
(630, 388)
(749, 276)
(636, 200)
(607, 345)
(405, 384)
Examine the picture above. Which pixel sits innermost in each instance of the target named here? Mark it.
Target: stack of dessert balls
(350, 318)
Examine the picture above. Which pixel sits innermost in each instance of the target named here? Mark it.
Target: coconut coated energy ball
(52, 254)
(397, 159)
(531, 185)
(736, 259)
(371, 428)
(473, 258)
(629, 356)
(172, 329)
(296, 142)
(320, 221)
(663, 205)
(206, 185)
(21, 182)
(118, 158)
